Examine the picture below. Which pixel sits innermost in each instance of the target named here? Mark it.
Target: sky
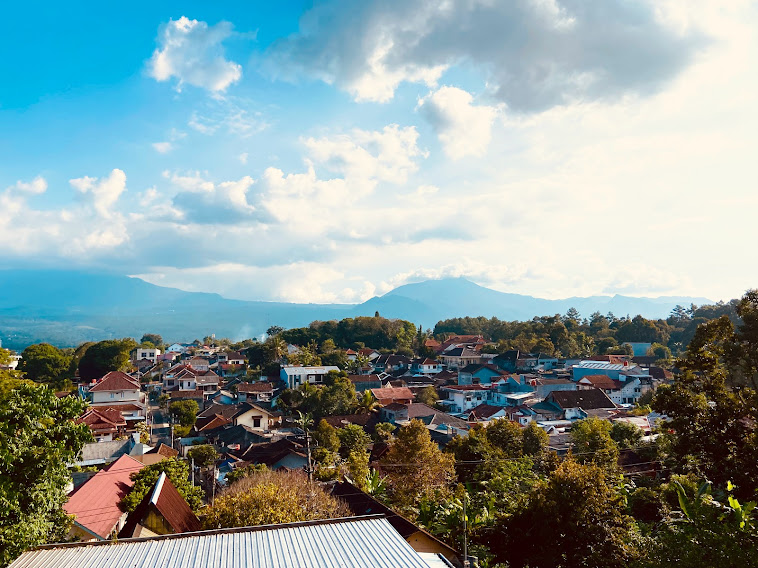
(330, 151)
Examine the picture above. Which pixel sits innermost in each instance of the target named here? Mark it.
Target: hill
(68, 307)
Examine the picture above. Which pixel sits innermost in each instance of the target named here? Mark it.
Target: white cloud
(463, 128)
(386, 155)
(103, 193)
(243, 158)
(163, 147)
(536, 54)
(192, 52)
(205, 202)
(37, 186)
(231, 115)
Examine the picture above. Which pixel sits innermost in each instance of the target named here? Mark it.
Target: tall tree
(105, 356)
(38, 439)
(44, 363)
(416, 468)
(176, 470)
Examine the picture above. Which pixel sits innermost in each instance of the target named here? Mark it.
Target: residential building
(119, 390)
(151, 354)
(388, 395)
(458, 357)
(105, 423)
(353, 542)
(95, 504)
(576, 405)
(363, 383)
(296, 375)
(262, 391)
(462, 398)
(480, 374)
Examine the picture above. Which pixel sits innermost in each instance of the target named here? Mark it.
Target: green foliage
(336, 397)
(353, 439)
(573, 519)
(153, 338)
(44, 363)
(176, 470)
(535, 440)
(366, 403)
(38, 437)
(592, 443)
(184, 411)
(416, 469)
(325, 436)
(105, 356)
(246, 471)
(204, 455)
(377, 332)
(505, 436)
(626, 434)
(428, 396)
(357, 468)
(383, 431)
(272, 497)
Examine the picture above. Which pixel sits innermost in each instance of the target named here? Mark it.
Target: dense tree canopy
(105, 356)
(44, 363)
(38, 438)
(176, 470)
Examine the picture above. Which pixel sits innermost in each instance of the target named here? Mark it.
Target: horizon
(263, 153)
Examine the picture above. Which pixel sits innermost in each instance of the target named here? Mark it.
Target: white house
(426, 366)
(296, 375)
(177, 348)
(253, 416)
(151, 354)
(119, 390)
(462, 398)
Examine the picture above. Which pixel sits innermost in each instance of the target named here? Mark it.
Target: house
(458, 357)
(283, 453)
(574, 405)
(105, 423)
(363, 383)
(95, 504)
(479, 373)
(627, 390)
(367, 421)
(368, 353)
(261, 391)
(351, 355)
(462, 398)
(353, 542)
(588, 367)
(485, 413)
(254, 416)
(391, 363)
(388, 395)
(296, 375)
(361, 504)
(514, 360)
(177, 348)
(162, 511)
(199, 364)
(425, 366)
(149, 353)
(119, 390)
(230, 357)
(473, 342)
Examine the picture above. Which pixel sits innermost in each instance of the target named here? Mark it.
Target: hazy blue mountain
(69, 307)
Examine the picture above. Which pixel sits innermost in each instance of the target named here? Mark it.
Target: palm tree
(366, 403)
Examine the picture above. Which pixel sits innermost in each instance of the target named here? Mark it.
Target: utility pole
(193, 471)
(308, 452)
(465, 534)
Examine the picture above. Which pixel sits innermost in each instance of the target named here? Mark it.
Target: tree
(105, 356)
(153, 338)
(203, 455)
(574, 519)
(626, 434)
(428, 396)
(416, 468)
(184, 411)
(366, 403)
(176, 470)
(592, 443)
(272, 497)
(505, 436)
(241, 472)
(353, 439)
(38, 438)
(274, 330)
(43, 363)
(326, 436)
(535, 440)
(383, 431)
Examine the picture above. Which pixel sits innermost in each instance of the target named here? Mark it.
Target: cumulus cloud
(386, 155)
(536, 53)
(463, 128)
(192, 52)
(205, 202)
(35, 187)
(102, 193)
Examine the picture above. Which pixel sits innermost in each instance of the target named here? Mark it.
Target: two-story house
(119, 390)
(425, 366)
(296, 375)
(462, 398)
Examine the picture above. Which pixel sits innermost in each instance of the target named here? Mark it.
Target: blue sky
(329, 151)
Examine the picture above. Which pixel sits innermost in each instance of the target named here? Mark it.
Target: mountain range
(69, 307)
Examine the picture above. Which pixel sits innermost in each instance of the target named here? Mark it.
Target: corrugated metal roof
(345, 543)
(601, 365)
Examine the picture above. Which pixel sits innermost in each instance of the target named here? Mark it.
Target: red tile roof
(600, 381)
(102, 419)
(255, 387)
(166, 500)
(95, 505)
(388, 395)
(115, 381)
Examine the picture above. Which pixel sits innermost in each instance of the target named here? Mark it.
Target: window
(256, 422)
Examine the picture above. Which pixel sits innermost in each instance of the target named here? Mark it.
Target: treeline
(354, 333)
(571, 335)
